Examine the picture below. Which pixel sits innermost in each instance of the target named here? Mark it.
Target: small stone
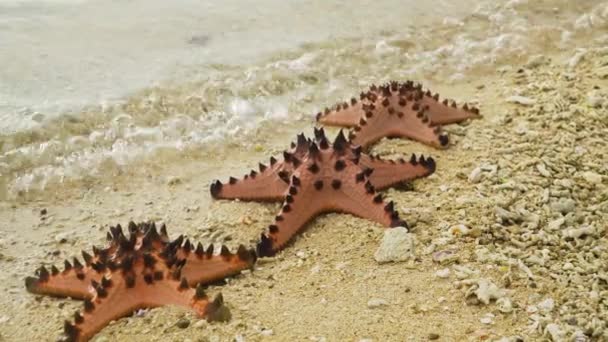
(183, 323)
(485, 291)
(536, 61)
(554, 332)
(62, 237)
(43, 212)
(522, 100)
(172, 180)
(459, 230)
(397, 245)
(376, 303)
(564, 205)
(504, 305)
(301, 254)
(443, 273)
(556, 224)
(445, 257)
(542, 169)
(475, 176)
(546, 306)
(266, 332)
(487, 319)
(595, 99)
(201, 323)
(433, 336)
(602, 72)
(592, 177)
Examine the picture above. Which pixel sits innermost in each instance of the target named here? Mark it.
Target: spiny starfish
(144, 270)
(317, 177)
(397, 110)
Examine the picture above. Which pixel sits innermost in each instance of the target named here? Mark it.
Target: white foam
(234, 101)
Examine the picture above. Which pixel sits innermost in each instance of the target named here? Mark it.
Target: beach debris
(397, 245)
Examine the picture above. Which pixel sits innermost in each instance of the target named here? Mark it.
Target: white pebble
(556, 224)
(397, 245)
(376, 303)
(459, 230)
(592, 177)
(443, 273)
(522, 100)
(487, 319)
(475, 175)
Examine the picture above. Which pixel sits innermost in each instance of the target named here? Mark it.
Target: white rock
(376, 303)
(577, 58)
(487, 319)
(536, 61)
(592, 177)
(556, 224)
(554, 332)
(602, 72)
(173, 180)
(546, 306)
(522, 100)
(487, 290)
(443, 273)
(564, 205)
(595, 99)
(266, 332)
(504, 305)
(475, 175)
(397, 245)
(542, 169)
(301, 254)
(459, 230)
(576, 233)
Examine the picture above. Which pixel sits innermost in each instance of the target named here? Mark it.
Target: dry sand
(319, 288)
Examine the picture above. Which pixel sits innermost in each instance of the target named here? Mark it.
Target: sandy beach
(511, 240)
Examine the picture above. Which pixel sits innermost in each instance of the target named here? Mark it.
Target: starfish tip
(31, 284)
(216, 311)
(215, 188)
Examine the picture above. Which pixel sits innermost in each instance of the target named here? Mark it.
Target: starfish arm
(202, 266)
(121, 292)
(72, 282)
(326, 190)
(403, 119)
(446, 112)
(344, 115)
(387, 173)
(265, 185)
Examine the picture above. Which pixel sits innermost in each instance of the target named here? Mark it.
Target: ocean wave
(218, 103)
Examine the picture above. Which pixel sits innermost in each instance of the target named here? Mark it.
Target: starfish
(316, 177)
(144, 270)
(397, 110)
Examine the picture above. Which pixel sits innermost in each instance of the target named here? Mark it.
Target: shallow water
(83, 96)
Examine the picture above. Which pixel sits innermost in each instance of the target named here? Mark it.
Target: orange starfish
(316, 177)
(397, 110)
(144, 270)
